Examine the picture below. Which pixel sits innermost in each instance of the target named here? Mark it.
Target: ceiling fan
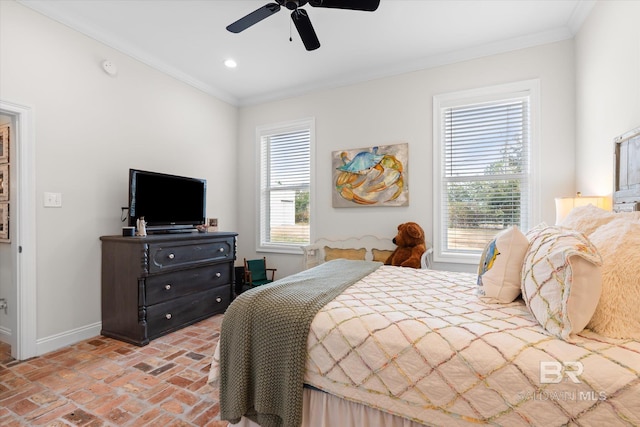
(300, 17)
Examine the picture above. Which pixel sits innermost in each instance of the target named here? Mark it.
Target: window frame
(530, 88)
(270, 130)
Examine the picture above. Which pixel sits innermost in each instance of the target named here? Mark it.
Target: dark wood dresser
(157, 284)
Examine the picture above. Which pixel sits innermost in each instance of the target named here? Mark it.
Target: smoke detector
(109, 68)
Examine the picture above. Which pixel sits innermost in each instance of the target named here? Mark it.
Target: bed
(548, 335)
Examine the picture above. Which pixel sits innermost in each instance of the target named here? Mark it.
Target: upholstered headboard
(369, 248)
(626, 186)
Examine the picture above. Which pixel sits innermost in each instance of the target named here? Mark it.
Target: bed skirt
(320, 409)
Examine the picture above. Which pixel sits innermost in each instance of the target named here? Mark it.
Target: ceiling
(188, 40)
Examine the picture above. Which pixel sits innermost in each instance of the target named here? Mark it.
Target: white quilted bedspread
(420, 344)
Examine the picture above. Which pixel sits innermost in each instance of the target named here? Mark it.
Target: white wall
(90, 128)
(607, 89)
(399, 109)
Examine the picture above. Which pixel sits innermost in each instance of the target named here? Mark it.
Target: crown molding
(48, 9)
(361, 76)
(580, 14)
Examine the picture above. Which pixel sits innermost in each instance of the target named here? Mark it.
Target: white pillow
(586, 219)
(501, 265)
(561, 280)
(618, 312)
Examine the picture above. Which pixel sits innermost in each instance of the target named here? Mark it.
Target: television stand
(160, 283)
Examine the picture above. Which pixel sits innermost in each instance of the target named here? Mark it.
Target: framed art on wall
(373, 176)
(4, 222)
(4, 182)
(4, 144)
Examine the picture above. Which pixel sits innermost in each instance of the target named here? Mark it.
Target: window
(483, 183)
(285, 186)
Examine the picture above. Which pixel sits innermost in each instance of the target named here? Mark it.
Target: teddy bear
(411, 246)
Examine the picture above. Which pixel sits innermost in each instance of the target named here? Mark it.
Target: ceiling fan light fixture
(299, 16)
(293, 4)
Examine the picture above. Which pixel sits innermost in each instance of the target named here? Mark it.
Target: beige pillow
(380, 255)
(561, 280)
(618, 312)
(586, 219)
(501, 265)
(338, 253)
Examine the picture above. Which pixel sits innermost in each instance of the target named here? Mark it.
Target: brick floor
(106, 382)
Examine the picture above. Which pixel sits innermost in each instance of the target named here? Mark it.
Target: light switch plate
(52, 200)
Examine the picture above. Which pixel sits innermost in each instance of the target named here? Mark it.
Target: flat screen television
(168, 203)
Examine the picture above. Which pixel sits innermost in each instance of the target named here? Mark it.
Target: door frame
(24, 230)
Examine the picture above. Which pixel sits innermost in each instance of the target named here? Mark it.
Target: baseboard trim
(57, 341)
(5, 335)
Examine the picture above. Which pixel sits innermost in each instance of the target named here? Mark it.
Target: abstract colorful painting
(374, 176)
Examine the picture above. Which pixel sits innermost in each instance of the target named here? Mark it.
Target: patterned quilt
(420, 344)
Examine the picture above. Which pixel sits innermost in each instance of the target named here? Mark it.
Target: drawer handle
(167, 287)
(171, 256)
(168, 316)
(221, 250)
(218, 274)
(218, 299)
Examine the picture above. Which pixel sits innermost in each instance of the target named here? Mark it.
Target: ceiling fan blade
(254, 17)
(365, 5)
(305, 29)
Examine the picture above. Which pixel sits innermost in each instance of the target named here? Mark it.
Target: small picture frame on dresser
(212, 224)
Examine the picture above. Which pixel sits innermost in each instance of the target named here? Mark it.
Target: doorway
(20, 254)
(7, 255)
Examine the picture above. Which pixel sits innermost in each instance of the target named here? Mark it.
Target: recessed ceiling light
(230, 63)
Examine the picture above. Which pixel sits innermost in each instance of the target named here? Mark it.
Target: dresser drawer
(626, 207)
(166, 286)
(176, 313)
(172, 255)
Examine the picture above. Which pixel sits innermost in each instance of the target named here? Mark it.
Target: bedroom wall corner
(607, 89)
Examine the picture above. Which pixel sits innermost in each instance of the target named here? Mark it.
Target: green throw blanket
(263, 342)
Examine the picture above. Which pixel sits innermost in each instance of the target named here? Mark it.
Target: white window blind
(285, 182)
(484, 172)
